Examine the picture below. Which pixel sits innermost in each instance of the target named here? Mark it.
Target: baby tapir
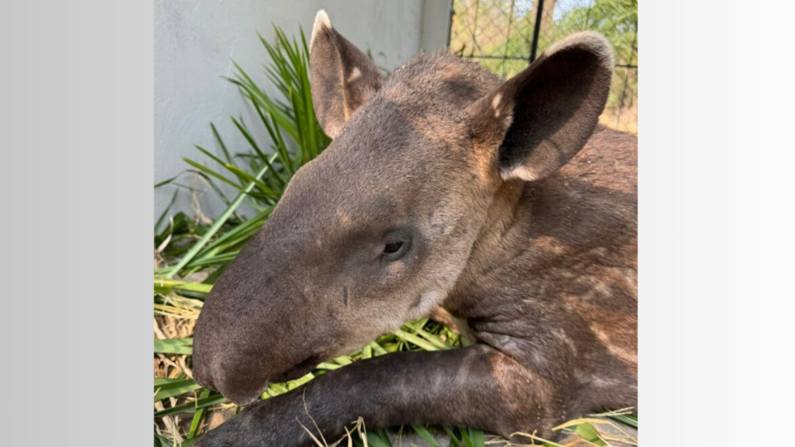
(502, 202)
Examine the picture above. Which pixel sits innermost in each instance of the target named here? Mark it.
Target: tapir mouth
(248, 393)
(299, 370)
(296, 372)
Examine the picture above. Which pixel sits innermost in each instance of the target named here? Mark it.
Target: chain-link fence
(506, 35)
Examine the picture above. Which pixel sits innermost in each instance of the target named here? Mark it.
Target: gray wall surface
(196, 42)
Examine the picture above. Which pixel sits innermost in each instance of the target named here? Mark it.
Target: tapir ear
(342, 77)
(539, 119)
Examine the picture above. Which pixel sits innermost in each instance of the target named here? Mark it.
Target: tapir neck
(505, 212)
(492, 248)
(538, 236)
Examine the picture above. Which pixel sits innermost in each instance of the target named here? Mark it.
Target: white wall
(196, 41)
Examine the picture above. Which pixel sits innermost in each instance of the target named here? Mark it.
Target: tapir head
(377, 229)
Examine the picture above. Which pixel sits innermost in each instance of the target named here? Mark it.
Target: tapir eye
(395, 246)
(392, 247)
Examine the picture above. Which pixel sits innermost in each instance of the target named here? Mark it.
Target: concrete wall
(196, 41)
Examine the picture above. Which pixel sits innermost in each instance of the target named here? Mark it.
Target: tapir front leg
(476, 387)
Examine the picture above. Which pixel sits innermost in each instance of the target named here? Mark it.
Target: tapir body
(501, 202)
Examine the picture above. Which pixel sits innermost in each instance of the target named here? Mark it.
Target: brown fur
(501, 216)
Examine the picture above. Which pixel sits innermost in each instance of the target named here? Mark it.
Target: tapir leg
(476, 387)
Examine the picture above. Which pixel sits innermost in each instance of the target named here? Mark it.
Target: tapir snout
(239, 345)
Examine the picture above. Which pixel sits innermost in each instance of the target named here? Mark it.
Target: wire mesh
(501, 35)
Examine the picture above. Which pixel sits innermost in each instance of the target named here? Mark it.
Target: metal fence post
(536, 30)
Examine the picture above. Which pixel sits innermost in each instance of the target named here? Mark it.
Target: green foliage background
(499, 34)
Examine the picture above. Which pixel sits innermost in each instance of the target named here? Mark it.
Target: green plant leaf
(453, 438)
(175, 388)
(198, 416)
(476, 437)
(426, 435)
(174, 346)
(215, 227)
(166, 182)
(165, 211)
(165, 286)
(588, 432)
(375, 441)
(413, 339)
(192, 407)
(210, 172)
